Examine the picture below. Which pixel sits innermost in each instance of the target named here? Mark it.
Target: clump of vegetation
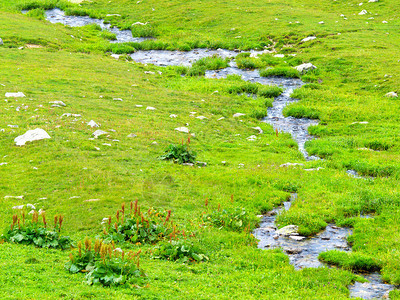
(351, 261)
(27, 232)
(144, 31)
(280, 71)
(106, 265)
(214, 62)
(182, 251)
(37, 13)
(179, 154)
(139, 227)
(105, 34)
(236, 219)
(269, 91)
(300, 111)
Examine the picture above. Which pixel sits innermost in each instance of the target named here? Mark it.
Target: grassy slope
(350, 66)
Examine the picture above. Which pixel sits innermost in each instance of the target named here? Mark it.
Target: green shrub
(230, 219)
(139, 227)
(214, 62)
(299, 111)
(351, 261)
(37, 13)
(105, 34)
(280, 71)
(269, 91)
(143, 31)
(246, 63)
(181, 251)
(106, 265)
(24, 231)
(179, 154)
(259, 113)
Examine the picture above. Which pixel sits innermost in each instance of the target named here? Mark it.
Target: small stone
(30, 136)
(279, 55)
(91, 200)
(12, 126)
(292, 250)
(154, 143)
(391, 95)
(113, 15)
(260, 131)
(15, 95)
(132, 135)
(57, 103)
(139, 23)
(251, 138)
(322, 22)
(149, 72)
(201, 117)
(276, 237)
(310, 38)
(138, 105)
(291, 165)
(117, 99)
(173, 116)
(182, 129)
(116, 56)
(297, 237)
(201, 163)
(363, 12)
(99, 133)
(93, 124)
(14, 197)
(98, 149)
(238, 115)
(150, 108)
(1, 42)
(220, 119)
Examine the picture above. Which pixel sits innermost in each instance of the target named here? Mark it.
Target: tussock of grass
(351, 261)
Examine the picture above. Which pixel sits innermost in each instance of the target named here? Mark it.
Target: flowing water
(58, 16)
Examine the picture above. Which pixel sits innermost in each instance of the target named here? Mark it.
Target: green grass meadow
(357, 61)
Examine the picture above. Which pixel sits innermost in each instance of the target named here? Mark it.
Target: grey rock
(310, 38)
(182, 129)
(1, 42)
(297, 237)
(303, 68)
(291, 165)
(93, 124)
(99, 133)
(132, 135)
(57, 103)
(288, 230)
(238, 115)
(391, 95)
(30, 136)
(290, 250)
(15, 95)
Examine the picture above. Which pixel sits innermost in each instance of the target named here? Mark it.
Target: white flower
(118, 249)
(18, 207)
(30, 206)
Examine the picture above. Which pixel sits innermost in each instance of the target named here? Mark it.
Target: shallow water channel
(303, 252)
(58, 16)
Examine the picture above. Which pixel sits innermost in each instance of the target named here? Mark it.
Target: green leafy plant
(235, 219)
(138, 227)
(106, 265)
(179, 154)
(24, 231)
(182, 251)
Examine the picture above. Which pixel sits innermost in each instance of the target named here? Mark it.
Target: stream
(303, 252)
(58, 16)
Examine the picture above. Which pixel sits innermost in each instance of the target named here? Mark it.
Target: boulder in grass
(391, 95)
(15, 95)
(303, 68)
(182, 129)
(288, 230)
(99, 133)
(30, 136)
(309, 38)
